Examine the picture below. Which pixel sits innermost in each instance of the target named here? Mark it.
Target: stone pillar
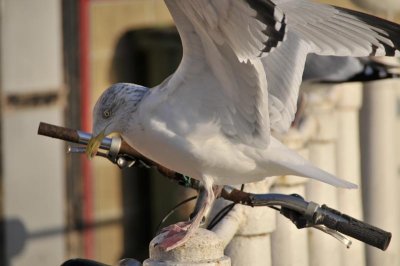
(323, 249)
(380, 166)
(289, 244)
(348, 162)
(204, 248)
(247, 231)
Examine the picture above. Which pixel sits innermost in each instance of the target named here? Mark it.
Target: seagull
(238, 82)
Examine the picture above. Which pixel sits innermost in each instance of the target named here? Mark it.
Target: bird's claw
(173, 236)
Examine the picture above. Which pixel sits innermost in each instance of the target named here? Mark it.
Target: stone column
(380, 166)
(348, 162)
(289, 244)
(323, 249)
(204, 248)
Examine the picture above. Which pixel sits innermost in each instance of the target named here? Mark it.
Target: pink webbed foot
(175, 235)
(175, 228)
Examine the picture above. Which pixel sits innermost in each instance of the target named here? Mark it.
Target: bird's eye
(106, 114)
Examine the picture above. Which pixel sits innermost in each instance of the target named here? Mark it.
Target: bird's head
(113, 112)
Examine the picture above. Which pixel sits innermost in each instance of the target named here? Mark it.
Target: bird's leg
(202, 197)
(178, 234)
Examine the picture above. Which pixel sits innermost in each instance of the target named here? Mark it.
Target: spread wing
(221, 76)
(324, 30)
(233, 47)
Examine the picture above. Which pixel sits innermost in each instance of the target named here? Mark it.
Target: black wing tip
(276, 27)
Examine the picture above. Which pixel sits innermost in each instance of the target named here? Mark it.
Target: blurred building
(56, 58)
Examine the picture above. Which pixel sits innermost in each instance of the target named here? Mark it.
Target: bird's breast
(196, 153)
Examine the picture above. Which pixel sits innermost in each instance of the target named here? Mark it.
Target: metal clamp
(312, 207)
(115, 146)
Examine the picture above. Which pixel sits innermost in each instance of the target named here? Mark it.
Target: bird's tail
(284, 160)
(309, 170)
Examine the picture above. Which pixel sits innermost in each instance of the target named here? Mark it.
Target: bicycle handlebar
(125, 152)
(308, 214)
(294, 207)
(350, 226)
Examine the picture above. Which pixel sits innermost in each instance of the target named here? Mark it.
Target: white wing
(232, 47)
(222, 44)
(324, 30)
(330, 30)
(249, 27)
(284, 68)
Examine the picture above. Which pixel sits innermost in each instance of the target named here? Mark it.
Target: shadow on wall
(16, 231)
(15, 227)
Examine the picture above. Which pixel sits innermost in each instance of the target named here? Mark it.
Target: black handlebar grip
(352, 227)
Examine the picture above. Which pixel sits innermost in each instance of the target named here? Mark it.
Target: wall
(33, 166)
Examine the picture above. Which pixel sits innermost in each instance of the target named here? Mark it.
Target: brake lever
(339, 236)
(306, 220)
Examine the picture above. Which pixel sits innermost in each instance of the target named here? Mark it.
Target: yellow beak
(94, 144)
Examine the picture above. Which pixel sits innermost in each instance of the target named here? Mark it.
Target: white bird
(238, 80)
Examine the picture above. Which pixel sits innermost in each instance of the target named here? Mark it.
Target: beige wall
(33, 169)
